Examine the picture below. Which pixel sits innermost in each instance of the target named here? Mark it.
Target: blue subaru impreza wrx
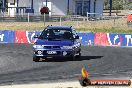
(57, 41)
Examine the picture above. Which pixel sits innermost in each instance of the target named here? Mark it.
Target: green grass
(81, 28)
(105, 30)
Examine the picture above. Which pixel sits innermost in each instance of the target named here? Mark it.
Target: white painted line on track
(70, 84)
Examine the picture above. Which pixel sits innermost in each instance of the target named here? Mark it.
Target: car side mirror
(36, 36)
(77, 37)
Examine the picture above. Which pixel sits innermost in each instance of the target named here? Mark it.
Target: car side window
(43, 34)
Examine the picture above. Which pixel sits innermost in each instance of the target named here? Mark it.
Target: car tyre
(78, 56)
(36, 59)
(73, 58)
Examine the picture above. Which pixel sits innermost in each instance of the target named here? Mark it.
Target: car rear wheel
(36, 59)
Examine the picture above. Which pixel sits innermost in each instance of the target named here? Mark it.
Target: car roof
(60, 27)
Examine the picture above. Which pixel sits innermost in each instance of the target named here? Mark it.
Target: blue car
(57, 41)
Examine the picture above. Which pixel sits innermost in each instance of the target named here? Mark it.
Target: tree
(129, 4)
(116, 4)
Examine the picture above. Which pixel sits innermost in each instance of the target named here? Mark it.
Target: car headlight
(66, 47)
(37, 46)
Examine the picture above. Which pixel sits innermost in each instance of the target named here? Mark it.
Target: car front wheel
(79, 54)
(72, 57)
(36, 59)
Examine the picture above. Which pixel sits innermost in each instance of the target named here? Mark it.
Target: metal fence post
(60, 21)
(114, 21)
(77, 22)
(44, 19)
(87, 16)
(28, 18)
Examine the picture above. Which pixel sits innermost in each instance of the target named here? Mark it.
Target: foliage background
(118, 4)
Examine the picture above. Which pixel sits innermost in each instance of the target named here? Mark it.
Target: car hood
(54, 42)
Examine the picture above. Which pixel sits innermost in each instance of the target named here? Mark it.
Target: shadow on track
(68, 59)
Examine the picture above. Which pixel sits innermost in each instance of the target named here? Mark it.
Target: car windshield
(56, 34)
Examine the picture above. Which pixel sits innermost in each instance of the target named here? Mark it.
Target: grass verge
(106, 30)
(34, 26)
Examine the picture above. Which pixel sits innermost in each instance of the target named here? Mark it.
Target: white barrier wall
(24, 3)
(37, 4)
(99, 7)
(59, 7)
(72, 6)
(91, 7)
(11, 9)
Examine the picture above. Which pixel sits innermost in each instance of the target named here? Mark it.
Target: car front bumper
(59, 53)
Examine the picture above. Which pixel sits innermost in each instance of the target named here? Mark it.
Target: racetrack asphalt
(17, 66)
